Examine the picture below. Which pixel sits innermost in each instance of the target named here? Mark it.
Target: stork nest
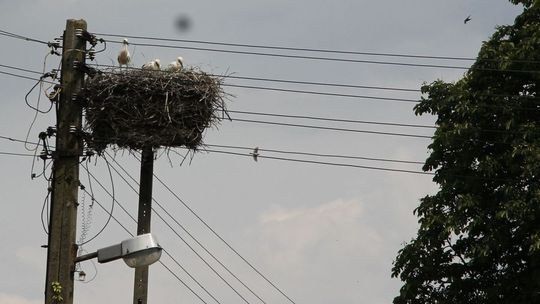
(135, 109)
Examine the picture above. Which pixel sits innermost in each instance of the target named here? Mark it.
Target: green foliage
(57, 292)
(479, 236)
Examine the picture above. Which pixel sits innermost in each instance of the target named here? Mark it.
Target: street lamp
(141, 250)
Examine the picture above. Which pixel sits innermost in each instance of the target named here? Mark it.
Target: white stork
(177, 65)
(152, 65)
(123, 57)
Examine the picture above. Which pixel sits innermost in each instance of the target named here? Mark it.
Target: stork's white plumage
(152, 65)
(177, 65)
(124, 57)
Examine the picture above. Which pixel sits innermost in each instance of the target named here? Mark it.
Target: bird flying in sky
(152, 65)
(467, 19)
(124, 57)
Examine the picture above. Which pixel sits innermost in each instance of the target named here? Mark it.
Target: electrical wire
(332, 94)
(178, 264)
(324, 84)
(331, 128)
(371, 97)
(17, 36)
(16, 154)
(44, 210)
(20, 69)
(409, 100)
(112, 205)
(318, 154)
(404, 64)
(288, 48)
(217, 235)
(93, 265)
(36, 108)
(333, 119)
(189, 274)
(161, 262)
(188, 233)
(26, 77)
(323, 163)
(314, 83)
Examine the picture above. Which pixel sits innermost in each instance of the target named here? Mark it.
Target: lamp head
(141, 250)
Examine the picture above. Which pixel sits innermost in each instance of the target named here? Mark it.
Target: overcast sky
(323, 234)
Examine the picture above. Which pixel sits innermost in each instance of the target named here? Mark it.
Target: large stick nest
(141, 108)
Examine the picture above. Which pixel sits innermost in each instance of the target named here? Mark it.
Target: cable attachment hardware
(78, 100)
(51, 74)
(91, 54)
(51, 131)
(54, 95)
(74, 130)
(89, 153)
(44, 155)
(83, 67)
(54, 46)
(90, 38)
(42, 135)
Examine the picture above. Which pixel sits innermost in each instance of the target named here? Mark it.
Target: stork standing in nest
(124, 57)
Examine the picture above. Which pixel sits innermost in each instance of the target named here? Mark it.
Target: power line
(191, 276)
(318, 154)
(333, 119)
(26, 77)
(112, 204)
(323, 163)
(13, 139)
(289, 48)
(17, 36)
(131, 234)
(406, 64)
(16, 154)
(321, 93)
(20, 69)
(288, 81)
(308, 57)
(296, 91)
(331, 128)
(278, 90)
(127, 212)
(217, 235)
(183, 228)
(327, 84)
(360, 167)
(176, 233)
(181, 238)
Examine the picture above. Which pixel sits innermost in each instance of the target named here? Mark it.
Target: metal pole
(140, 290)
(62, 250)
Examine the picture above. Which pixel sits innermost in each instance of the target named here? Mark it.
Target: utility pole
(61, 249)
(140, 289)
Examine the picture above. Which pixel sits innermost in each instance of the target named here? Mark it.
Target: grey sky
(323, 234)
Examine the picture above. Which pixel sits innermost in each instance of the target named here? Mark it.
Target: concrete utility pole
(62, 250)
(140, 289)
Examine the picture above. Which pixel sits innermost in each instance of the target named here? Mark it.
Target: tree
(479, 235)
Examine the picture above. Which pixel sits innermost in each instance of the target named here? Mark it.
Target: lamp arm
(85, 257)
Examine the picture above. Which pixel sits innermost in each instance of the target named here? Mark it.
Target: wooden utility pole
(140, 289)
(62, 250)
